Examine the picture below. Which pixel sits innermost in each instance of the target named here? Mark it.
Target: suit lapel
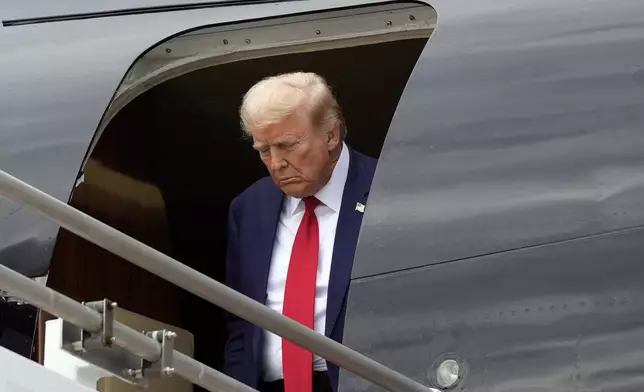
(356, 191)
(262, 252)
(268, 218)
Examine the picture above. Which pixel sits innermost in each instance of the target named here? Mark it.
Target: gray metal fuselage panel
(504, 226)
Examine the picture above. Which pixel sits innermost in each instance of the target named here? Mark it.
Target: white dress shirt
(327, 214)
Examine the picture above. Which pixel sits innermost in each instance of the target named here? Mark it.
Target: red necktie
(299, 299)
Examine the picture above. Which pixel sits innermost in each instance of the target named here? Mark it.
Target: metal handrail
(203, 286)
(124, 336)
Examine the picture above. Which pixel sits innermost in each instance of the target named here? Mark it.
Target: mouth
(288, 180)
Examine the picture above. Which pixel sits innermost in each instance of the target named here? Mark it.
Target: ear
(333, 138)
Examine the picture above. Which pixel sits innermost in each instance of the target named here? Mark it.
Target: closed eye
(289, 145)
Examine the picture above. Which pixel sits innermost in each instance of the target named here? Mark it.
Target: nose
(277, 162)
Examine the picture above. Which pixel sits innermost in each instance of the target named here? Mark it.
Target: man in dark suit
(292, 236)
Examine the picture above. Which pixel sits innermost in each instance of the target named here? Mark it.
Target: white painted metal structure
(20, 374)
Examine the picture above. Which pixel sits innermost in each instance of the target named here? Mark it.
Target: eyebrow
(283, 140)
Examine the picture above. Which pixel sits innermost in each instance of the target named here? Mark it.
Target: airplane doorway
(168, 163)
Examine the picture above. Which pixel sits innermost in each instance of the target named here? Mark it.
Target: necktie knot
(310, 203)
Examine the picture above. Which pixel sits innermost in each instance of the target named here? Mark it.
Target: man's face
(298, 158)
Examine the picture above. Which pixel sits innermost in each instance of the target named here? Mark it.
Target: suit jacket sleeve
(234, 350)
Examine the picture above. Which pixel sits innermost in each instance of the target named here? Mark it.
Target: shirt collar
(331, 194)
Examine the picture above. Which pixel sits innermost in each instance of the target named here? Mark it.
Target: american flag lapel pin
(360, 207)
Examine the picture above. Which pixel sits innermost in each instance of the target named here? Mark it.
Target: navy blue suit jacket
(252, 223)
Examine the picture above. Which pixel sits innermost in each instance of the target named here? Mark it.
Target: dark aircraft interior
(167, 166)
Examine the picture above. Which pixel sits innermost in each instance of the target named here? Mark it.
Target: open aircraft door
(71, 82)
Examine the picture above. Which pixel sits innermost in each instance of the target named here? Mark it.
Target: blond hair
(274, 98)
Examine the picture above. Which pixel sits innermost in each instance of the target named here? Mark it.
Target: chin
(295, 190)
